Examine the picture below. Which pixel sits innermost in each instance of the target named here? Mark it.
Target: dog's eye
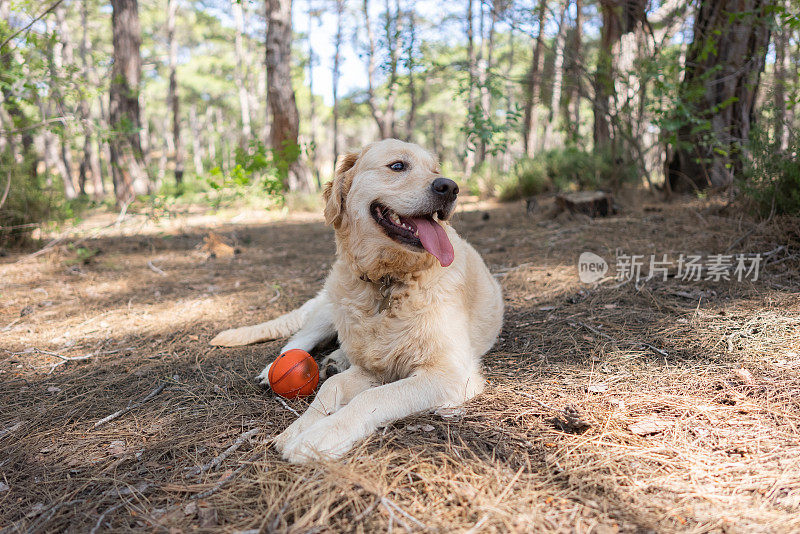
(397, 166)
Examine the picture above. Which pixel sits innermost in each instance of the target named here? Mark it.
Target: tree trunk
(197, 151)
(485, 71)
(392, 30)
(285, 122)
(506, 158)
(61, 58)
(384, 117)
(558, 78)
(211, 138)
(532, 85)
(337, 44)
(723, 66)
(127, 163)
(577, 75)
(241, 75)
(312, 103)
(371, 100)
(104, 145)
(224, 148)
(91, 158)
(174, 102)
(620, 17)
(781, 84)
(410, 62)
(469, 161)
(166, 150)
(604, 75)
(261, 98)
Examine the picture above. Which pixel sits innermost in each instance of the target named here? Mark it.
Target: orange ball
(294, 374)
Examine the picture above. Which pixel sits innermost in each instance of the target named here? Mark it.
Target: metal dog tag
(386, 294)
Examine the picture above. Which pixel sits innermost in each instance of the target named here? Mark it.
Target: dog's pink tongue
(434, 239)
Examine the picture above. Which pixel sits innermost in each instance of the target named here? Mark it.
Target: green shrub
(484, 181)
(565, 169)
(529, 177)
(772, 176)
(256, 172)
(31, 201)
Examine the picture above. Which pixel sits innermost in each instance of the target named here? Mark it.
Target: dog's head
(389, 205)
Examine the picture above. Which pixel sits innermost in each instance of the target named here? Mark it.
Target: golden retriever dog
(413, 304)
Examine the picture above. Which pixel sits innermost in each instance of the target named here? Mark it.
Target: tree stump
(591, 203)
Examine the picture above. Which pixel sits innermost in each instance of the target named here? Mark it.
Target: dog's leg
(336, 434)
(334, 393)
(283, 326)
(317, 328)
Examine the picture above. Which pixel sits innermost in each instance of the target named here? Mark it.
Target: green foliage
(83, 255)
(565, 169)
(256, 171)
(31, 200)
(484, 181)
(675, 104)
(495, 130)
(528, 178)
(772, 176)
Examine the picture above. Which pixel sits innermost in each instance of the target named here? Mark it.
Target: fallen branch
(47, 247)
(10, 429)
(130, 490)
(537, 401)
(215, 462)
(643, 344)
(45, 516)
(90, 234)
(11, 324)
(155, 269)
(66, 358)
(280, 399)
(219, 485)
(100, 519)
(130, 407)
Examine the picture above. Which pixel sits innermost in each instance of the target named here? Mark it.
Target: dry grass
(712, 368)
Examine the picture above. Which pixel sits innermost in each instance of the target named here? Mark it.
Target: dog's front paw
(263, 377)
(291, 432)
(235, 337)
(333, 364)
(323, 440)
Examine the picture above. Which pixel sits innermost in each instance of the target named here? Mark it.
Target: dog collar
(384, 286)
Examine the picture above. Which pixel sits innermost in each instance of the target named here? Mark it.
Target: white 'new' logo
(591, 267)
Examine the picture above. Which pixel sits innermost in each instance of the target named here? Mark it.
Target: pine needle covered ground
(671, 407)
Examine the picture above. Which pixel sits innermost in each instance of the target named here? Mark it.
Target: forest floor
(682, 397)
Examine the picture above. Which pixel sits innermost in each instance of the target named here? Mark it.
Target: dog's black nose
(445, 187)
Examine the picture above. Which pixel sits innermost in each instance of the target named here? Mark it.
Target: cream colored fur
(421, 354)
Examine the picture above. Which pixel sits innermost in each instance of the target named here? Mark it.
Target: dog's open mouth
(418, 231)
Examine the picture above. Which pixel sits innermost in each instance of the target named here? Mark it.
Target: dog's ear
(336, 190)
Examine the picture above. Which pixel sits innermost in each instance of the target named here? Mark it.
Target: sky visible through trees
(516, 97)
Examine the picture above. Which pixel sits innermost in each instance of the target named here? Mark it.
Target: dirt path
(683, 396)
